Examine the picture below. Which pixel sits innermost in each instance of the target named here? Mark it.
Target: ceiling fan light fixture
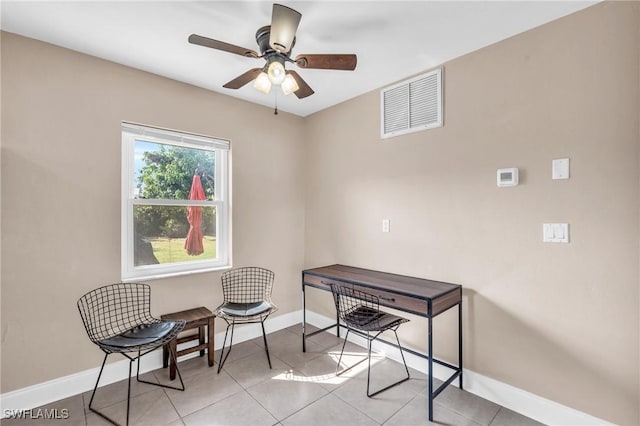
(275, 42)
(263, 83)
(289, 85)
(276, 72)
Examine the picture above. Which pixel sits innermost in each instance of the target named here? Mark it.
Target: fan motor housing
(262, 38)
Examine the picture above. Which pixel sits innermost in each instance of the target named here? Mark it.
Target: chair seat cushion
(369, 319)
(140, 335)
(243, 309)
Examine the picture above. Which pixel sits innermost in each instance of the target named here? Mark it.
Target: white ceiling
(393, 39)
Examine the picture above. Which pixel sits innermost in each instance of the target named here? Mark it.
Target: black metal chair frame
(360, 312)
(117, 318)
(247, 300)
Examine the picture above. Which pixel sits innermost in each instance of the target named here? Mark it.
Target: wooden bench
(200, 318)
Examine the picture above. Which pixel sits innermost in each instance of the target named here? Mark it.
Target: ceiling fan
(275, 42)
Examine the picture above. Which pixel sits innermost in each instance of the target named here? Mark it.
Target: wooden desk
(417, 296)
(200, 318)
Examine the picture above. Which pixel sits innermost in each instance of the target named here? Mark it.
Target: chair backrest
(356, 308)
(110, 310)
(247, 285)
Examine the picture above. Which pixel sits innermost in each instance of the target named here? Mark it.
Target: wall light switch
(385, 225)
(555, 232)
(560, 168)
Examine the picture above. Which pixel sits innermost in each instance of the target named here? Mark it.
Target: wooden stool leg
(211, 329)
(165, 356)
(201, 338)
(173, 347)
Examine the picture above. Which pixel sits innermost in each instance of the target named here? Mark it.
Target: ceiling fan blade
(243, 79)
(304, 89)
(221, 45)
(328, 62)
(284, 24)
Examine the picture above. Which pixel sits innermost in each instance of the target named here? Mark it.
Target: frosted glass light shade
(262, 83)
(289, 85)
(276, 72)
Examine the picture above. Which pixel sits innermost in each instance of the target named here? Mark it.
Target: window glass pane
(170, 234)
(163, 171)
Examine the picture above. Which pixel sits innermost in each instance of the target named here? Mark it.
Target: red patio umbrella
(193, 243)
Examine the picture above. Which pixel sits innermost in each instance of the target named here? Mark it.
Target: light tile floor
(301, 389)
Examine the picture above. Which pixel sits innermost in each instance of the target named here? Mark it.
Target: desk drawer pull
(388, 299)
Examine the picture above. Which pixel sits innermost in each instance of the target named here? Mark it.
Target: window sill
(175, 274)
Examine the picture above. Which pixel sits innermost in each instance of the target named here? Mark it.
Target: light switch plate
(385, 225)
(555, 232)
(560, 168)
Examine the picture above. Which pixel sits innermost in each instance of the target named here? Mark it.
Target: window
(175, 203)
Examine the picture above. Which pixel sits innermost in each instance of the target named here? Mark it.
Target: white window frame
(132, 132)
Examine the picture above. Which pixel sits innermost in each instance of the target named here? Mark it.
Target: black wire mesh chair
(360, 312)
(247, 299)
(118, 319)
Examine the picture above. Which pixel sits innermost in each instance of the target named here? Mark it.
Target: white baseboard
(518, 400)
(526, 403)
(73, 384)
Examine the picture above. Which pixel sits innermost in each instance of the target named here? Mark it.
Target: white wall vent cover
(412, 105)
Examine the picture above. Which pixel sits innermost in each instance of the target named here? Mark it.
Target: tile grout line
(258, 402)
(84, 413)
(496, 415)
(104, 407)
(214, 403)
(328, 392)
(170, 401)
(399, 409)
(306, 406)
(454, 409)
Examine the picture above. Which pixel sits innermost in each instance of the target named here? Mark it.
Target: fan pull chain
(275, 111)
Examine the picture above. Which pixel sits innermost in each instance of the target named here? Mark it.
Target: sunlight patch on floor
(357, 362)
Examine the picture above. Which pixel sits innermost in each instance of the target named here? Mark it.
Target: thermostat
(507, 177)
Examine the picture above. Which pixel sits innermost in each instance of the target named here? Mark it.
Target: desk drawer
(387, 298)
(318, 282)
(396, 301)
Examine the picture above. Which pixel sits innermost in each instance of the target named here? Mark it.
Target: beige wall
(1, 333)
(61, 196)
(558, 320)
